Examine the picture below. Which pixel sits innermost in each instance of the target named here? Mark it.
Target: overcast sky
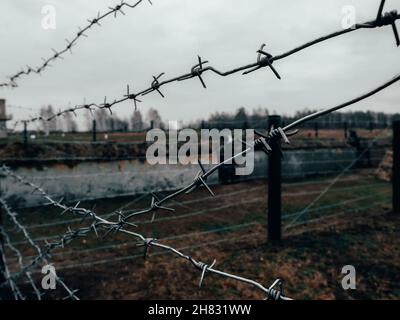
(168, 36)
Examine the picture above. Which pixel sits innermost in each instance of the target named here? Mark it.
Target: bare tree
(153, 117)
(137, 121)
(47, 125)
(68, 123)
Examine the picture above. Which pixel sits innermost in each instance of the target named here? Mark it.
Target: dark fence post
(94, 131)
(274, 187)
(396, 166)
(371, 126)
(316, 129)
(345, 130)
(2, 266)
(25, 134)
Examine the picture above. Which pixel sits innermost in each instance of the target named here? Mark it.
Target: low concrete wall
(94, 179)
(86, 180)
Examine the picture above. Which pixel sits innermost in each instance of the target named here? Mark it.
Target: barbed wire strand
(125, 245)
(59, 54)
(42, 256)
(19, 259)
(205, 244)
(207, 212)
(10, 281)
(240, 226)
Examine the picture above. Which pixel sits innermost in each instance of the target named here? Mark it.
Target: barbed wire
(8, 279)
(264, 59)
(203, 199)
(118, 226)
(18, 255)
(41, 255)
(207, 212)
(68, 48)
(196, 246)
(231, 227)
(169, 238)
(213, 242)
(267, 142)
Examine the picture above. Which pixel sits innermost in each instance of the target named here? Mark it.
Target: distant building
(3, 119)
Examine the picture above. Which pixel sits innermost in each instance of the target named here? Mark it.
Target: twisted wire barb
(144, 241)
(68, 48)
(264, 59)
(41, 255)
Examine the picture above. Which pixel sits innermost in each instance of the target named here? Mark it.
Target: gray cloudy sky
(169, 35)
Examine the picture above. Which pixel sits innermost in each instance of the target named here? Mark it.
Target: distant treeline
(258, 118)
(240, 119)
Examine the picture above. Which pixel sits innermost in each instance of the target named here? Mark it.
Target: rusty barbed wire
(41, 255)
(264, 59)
(144, 242)
(70, 43)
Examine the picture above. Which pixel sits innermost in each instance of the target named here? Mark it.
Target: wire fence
(124, 221)
(118, 226)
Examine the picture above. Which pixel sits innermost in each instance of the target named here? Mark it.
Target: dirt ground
(350, 225)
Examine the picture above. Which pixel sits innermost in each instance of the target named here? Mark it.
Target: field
(348, 224)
